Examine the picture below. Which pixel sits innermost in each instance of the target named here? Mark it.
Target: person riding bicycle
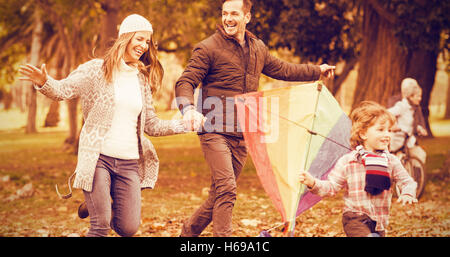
(410, 121)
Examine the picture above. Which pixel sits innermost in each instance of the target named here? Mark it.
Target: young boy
(407, 111)
(367, 174)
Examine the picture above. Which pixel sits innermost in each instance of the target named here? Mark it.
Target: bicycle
(414, 166)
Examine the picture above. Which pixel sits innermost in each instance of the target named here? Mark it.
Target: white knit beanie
(133, 23)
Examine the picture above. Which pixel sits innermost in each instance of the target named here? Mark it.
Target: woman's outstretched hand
(33, 74)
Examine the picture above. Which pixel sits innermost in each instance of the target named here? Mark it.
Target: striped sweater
(97, 104)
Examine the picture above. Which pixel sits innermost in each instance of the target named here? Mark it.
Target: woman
(115, 160)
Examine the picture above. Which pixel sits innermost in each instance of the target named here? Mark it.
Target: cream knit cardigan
(97, 104)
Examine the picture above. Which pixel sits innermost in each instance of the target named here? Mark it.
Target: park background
(374, 44)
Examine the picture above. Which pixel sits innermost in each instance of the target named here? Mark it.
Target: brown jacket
(218, 62)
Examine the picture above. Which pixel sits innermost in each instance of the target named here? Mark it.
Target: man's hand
(307, 179)
(406, 199)
(193, 120)
(327, 71)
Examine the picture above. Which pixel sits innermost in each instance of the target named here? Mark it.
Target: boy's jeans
(115, 179)
(360, 225)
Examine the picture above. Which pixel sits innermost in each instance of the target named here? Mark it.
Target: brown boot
(83, 211)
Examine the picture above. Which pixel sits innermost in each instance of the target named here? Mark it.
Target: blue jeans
(117, 180)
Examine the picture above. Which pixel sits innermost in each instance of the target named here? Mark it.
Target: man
(228, 63)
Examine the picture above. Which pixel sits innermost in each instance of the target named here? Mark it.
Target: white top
(404, 113)
(121, 141)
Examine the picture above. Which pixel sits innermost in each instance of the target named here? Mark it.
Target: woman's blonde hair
(364, 116)
(148, 64)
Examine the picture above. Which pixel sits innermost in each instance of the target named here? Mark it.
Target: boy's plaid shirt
(350, 173)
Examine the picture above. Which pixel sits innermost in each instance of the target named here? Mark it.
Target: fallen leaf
(62, 209)
(73, 235)
(158, 225)
(11, 198)
(205, 191)
(43, 232)
(25, 191)
(250, 222)
(192, 197)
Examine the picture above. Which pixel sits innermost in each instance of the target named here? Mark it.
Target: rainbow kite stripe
(289, 129)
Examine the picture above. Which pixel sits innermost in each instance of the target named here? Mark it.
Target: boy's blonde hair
(410, 87)
(364, 116)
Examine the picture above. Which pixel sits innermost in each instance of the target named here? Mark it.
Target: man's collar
(221, 30)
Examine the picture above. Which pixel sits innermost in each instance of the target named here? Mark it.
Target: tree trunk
(422, 66)
(52, 118)
(336, 83)
(71, 142)
(382, 62)
(32, 110)
(73, 121)
(109, 24)
(34, 60)
(107, 36)
(447, 108)
(7, 100)
(72, 138)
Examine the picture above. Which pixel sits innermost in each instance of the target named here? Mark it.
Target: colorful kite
(291, 129)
